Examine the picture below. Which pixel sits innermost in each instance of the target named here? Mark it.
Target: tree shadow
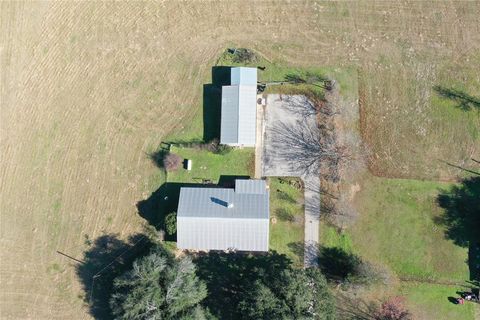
(336, 263)
(461, 219)
(212, 102)
(353, 307)
(107, 258)
(229, 276)
(160, 203)
(465, 101)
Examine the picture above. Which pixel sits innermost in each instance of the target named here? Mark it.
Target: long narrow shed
(239, 108)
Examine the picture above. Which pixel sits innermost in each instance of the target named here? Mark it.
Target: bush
(393, 309)
(243, 55)
(171, 223)
(222, 149)
(172, 162)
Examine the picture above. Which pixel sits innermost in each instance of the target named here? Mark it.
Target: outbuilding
(224, 218)
(239, 108)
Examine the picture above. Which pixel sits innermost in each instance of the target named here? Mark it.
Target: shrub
(222, 149)
(171, 223)
(172, 162)
(393, 309)
(243, 55)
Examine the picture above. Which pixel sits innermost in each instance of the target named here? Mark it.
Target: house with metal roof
(239, 108)
(223, 218)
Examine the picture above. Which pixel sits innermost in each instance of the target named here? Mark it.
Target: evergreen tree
(159, 287)
(294, 294)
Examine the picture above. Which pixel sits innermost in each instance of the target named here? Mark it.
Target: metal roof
(239, 115)
(221, 219)
(215, 202)
(243, 76)
(229, 121)
(250, 186)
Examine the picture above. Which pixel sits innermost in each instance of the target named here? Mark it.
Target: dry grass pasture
(88, 89)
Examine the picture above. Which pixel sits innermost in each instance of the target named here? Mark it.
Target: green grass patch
(330, 237)
(287, 233)
(396, 227)
(275, 71)
(430, 301)
(211, 166)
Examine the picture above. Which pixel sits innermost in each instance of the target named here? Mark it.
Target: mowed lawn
(211, 166)
(430, 301)
(396, 228)
(287, 227)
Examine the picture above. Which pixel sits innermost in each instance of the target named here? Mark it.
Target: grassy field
(287, 233)
(88, 90)
(396, 229)
(430, 301)
(210, 166)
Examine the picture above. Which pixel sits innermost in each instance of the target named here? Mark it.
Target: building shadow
(212, 102)
(228, 181)
(160, 203)
(105, 259)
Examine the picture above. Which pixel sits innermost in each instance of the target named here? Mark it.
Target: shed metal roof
(250, 186)
(243, 76)
(239, 115)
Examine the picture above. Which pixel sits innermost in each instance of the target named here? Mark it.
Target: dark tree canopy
(263, 287)
(159, 287)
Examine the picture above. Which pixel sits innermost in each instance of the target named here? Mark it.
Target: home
(239, 108)
(224, 218)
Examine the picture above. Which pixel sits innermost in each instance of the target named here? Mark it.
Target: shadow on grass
(158, 156)
(336, 263)
(353, 307)
(160, 203)
(230, 275)
(212, 102)
(107, 258)
(298, 248)
(228, 181)
(462, 220)
(465, 101)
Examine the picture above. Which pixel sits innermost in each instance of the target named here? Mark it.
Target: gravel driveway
(283, 116)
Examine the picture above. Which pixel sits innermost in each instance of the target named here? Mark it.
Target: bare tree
(309, 145)
(172, 162)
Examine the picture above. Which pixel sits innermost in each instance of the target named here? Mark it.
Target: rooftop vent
(221, 202)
